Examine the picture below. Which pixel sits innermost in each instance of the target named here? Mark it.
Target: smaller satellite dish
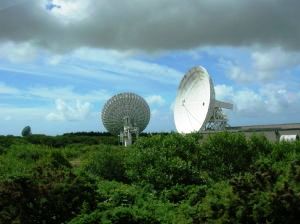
(26, 131)
(196, 108)
(124, 114)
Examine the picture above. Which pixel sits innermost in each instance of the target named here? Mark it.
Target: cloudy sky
(60, 60)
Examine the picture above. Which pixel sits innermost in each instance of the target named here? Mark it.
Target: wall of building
(272, 132)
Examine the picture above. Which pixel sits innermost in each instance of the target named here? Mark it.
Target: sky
(61, 60)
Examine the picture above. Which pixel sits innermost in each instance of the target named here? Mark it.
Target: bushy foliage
(65, 140)
(122, 203)
(107, 162)
(164, 161)
(225, 154)
(49, 193)
(7, 141)
(169, 178)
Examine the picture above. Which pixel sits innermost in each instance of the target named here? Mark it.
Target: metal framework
(218, 121)
(126, 135)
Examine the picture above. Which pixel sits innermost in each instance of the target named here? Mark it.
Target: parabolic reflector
(195, 106)
(125, 110)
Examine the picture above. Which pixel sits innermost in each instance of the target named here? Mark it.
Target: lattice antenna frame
(218, 120)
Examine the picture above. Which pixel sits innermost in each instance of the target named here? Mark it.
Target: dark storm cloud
(157, 24)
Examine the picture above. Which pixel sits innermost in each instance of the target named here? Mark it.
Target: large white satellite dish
(196, 108)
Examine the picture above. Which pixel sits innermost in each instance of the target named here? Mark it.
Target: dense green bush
(7, 141)
(108, 163)
(164, 161)
(52, 193)
(225, 154)
(65, 140)
(122, 203)
(169, 178)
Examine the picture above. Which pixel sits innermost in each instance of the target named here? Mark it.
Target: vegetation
(169, 178)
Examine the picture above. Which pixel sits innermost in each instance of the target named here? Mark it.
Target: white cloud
(223, 92)
(98, 65)
(126, 65)
(66, 112)
(236, 73)
(67, 93)
(263, 65)
(154, 112)
(5, 89)
(55, 60)
(35, 117)
(7, 118)
(246, 101)
(51, 93)
(155, 99)
(242, 74)
(275, 59)
(161, 120)
(18, 52)
(269, 100)
(17, 117)
(69, 11)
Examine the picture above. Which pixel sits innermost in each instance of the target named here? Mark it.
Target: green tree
(107, 162)
(225, 154)
(164, 161)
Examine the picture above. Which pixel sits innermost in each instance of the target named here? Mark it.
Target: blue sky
(61, 62)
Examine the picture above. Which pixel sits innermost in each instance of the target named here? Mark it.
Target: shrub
(259, 145)
(225, 154)
(164, 161)
(108, 163)
(216, 206)
(49, 195)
